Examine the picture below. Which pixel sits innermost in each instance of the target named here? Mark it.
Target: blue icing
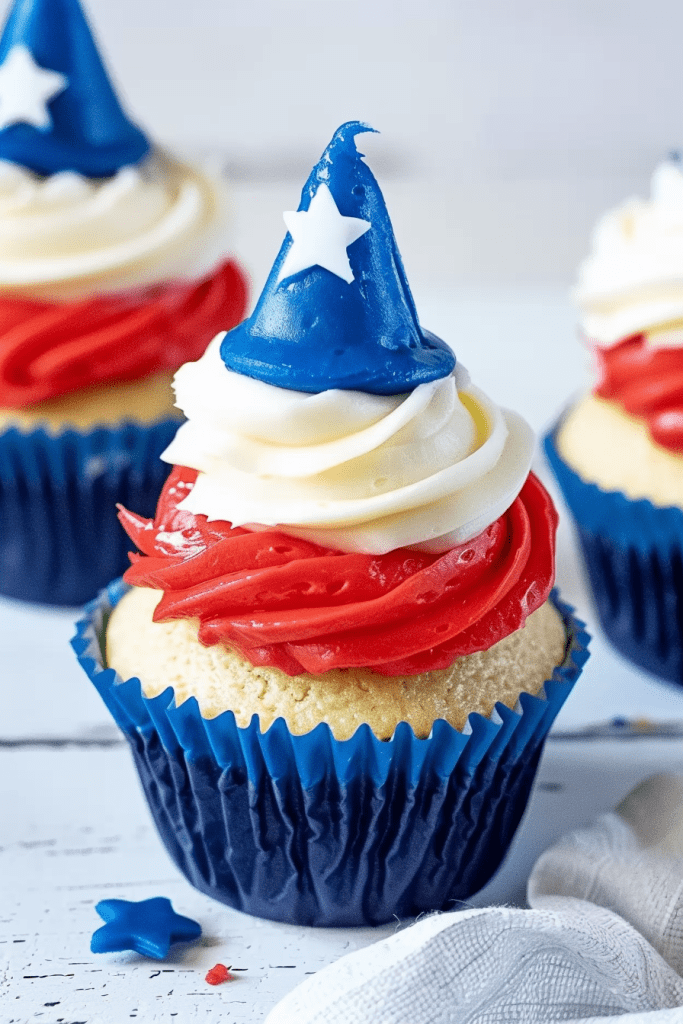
(88, 131)
(313, 329)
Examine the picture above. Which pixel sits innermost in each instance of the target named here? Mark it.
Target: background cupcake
(350, 555)
(112, 274)
(618, 453)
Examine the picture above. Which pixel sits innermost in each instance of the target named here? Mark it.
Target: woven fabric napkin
(604, 939)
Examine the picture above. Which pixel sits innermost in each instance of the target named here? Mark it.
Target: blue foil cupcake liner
(317, 831)
(633, 553)
(60, 539)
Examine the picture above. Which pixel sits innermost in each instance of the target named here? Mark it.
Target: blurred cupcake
(112, 274)
(618, 453)
(341, 652)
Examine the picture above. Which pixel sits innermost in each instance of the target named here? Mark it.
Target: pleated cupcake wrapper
(313, 830)
(60, 539)
(633, 552)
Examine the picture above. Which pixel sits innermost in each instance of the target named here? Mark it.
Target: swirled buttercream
(379, 517)
(51, 349)
(633, 278)
(349, 470)
(298, 606)
(647, 383)
(67, 237)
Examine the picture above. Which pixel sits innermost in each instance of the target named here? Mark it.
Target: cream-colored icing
(66, 237)
(354, 471)
(632, 280)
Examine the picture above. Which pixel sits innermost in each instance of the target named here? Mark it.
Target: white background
(461, 87)
(520, 120)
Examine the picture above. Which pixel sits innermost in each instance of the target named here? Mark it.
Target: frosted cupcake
(112, 274)
(618, 453)
(339, 657)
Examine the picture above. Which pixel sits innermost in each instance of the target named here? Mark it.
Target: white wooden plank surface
(74, 828)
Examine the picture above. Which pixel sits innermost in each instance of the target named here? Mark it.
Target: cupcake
(112, 274)
(336, 655)
(618, 452)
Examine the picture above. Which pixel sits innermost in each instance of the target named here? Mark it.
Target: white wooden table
(74, 828)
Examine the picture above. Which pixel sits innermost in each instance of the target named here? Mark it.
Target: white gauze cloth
(604, 939)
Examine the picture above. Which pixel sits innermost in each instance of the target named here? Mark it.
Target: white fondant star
(321, 236)
(26, 88)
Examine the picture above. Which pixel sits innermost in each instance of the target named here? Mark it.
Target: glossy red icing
(289, 603)
(646, 382)
(49, 349)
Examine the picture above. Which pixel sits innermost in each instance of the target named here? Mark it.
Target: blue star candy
(149, 927)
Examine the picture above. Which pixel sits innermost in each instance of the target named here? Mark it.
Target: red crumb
(218, 974)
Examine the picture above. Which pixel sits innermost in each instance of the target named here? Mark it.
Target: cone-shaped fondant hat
(58, 110)
(336, 311)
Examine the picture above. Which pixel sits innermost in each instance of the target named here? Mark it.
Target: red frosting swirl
(646, 382)
(300, 607)
(49, 349)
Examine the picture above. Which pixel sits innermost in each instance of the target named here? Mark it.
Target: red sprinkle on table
(218, 974)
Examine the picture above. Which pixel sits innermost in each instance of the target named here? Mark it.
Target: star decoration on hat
(320, 237)
(148, 927)
(26, 89)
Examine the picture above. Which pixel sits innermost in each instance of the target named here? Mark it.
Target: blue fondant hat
(58, 110)
(336, 310)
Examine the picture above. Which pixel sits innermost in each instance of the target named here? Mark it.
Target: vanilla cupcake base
(313, 830)
(632, 544)
(169, 653)
(614, 450)
(147, 400)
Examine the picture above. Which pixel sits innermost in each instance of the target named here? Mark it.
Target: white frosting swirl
(66, 237)
(349, 470)
(632, 280)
